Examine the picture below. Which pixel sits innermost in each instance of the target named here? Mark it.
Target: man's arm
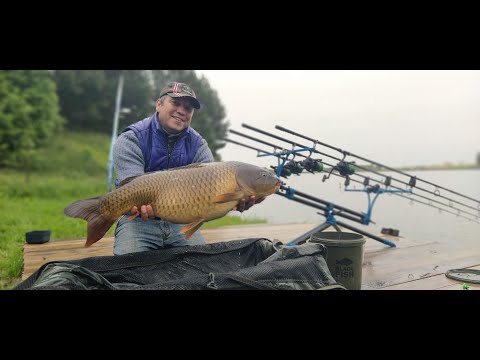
(127, 156)
(128, 161)
(203, 154)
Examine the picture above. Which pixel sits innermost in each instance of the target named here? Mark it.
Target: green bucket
(344, 256)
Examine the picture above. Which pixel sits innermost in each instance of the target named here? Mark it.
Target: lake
(414, 220)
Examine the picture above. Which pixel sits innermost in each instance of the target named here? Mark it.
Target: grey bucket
(344, 256)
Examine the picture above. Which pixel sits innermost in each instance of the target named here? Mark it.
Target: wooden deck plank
(438, 281)
(35, 255)
(59, 245)
(410, 265)
(384, 269)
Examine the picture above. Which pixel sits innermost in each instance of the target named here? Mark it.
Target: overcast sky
(397, 118)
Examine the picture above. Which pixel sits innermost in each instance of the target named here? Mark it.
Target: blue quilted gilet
(154, 145)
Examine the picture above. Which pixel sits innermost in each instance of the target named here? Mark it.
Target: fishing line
(343, 165)
(413, 179)
(437, 193)
(354, 180)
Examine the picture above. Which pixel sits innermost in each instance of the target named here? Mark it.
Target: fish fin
(82, 209)
(233, 196)
(189, 229)
(127, 180)
(97, 228)
(190, 166)
(89, 210)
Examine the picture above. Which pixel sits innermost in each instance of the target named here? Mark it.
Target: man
(163, 141)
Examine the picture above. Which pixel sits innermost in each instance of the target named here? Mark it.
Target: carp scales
(189, 195)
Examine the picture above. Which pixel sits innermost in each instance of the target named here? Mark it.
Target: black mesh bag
(249, 264)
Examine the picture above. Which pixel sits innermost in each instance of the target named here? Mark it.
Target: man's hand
(146, 212)
(244, 205)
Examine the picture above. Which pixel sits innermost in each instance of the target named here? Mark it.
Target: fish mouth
(278, 185)
(270, 190)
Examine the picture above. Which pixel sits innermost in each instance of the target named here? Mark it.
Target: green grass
(73, 167)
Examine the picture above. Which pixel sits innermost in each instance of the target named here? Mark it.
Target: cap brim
(195, 102)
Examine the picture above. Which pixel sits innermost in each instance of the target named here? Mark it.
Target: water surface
(413, 220)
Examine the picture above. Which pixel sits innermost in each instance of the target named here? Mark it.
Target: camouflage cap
(176, 89)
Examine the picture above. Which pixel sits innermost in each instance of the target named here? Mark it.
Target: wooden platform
(411, 265)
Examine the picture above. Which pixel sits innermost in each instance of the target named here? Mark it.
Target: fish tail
(89, 210)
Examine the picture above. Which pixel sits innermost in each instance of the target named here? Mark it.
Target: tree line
(36, 105)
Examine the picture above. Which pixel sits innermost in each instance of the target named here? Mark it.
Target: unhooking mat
(254, 263)
(465, 275)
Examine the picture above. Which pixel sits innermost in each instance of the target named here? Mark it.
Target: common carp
(190, 195)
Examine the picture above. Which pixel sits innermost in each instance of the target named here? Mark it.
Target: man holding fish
(163, 141)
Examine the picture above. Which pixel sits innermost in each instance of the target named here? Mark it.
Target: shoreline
(422, 167)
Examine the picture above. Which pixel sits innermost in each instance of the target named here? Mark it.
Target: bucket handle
(324, 250)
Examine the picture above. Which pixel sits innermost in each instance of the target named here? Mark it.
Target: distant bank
(446, 166)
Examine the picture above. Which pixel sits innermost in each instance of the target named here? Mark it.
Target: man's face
(175, 114)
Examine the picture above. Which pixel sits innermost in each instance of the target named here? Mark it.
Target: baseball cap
(176, 89)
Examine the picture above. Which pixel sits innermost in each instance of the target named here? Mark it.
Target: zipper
(170, 147)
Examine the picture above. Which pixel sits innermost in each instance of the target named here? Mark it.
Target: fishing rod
(413, 179)
(309, 164)
(280, 172)
(348, 169)
(285, 168)
(281, 153)
(330, 210)
(374, 163)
